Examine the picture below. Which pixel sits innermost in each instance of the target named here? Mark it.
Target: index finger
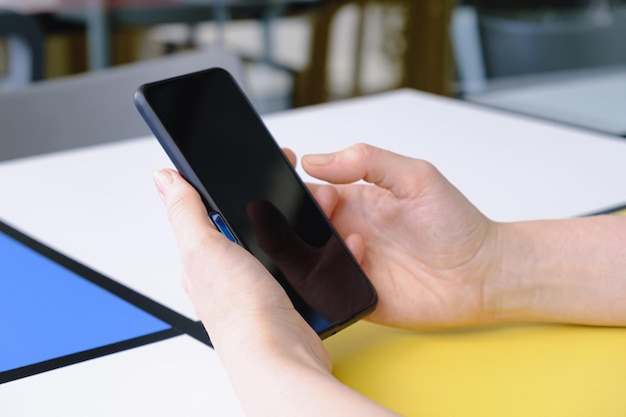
(401, 175)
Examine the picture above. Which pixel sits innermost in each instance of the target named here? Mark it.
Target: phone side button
(223, 227)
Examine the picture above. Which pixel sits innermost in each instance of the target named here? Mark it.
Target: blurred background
(559, 60)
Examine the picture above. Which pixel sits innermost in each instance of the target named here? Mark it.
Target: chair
(566, 65)
(412, 38)
(92, 108)
(493, 47)
(26, 52)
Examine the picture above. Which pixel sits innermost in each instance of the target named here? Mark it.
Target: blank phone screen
(245, 177)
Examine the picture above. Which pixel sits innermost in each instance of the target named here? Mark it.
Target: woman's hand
(234, 295)
(436, 260)
(276, 363)
(425, 247)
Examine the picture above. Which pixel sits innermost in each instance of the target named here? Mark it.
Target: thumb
(185, 210)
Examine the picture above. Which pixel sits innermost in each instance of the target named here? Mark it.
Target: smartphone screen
(219, 143)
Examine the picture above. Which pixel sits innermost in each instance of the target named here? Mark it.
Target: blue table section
(48, 311)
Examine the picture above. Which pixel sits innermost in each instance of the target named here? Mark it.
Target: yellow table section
(505, 370)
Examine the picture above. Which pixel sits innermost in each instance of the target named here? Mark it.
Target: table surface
(98, 205)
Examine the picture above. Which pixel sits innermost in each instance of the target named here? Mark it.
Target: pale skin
(436, 261)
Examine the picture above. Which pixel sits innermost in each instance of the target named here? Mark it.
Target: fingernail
(163, 179)
(320, 159)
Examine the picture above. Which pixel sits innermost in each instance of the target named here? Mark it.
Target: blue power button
(223, 227)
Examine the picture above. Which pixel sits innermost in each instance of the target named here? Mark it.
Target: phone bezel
(145, 108)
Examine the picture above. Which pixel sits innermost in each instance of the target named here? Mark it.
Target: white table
(99, 206)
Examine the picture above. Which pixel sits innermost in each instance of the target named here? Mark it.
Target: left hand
(239, 302)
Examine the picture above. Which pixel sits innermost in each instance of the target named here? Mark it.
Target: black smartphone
(219, 143)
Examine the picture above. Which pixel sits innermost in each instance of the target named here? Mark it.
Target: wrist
(271, 340)
(511, 288)
(565, 271)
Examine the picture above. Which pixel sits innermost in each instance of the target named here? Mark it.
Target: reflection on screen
(48, 311)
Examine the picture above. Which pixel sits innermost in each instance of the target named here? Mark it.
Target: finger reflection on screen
(325, 277)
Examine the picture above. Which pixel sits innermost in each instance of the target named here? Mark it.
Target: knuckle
(193, 251)
(176, 209)
(426, 168)
(362, 151)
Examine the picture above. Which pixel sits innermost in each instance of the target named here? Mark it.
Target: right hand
(424, 246)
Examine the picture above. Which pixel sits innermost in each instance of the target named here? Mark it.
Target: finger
(291, 157)
(186, 212)
(356, 245)
(399, 174)
(326, 196)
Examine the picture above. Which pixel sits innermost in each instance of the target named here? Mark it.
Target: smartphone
(219, 143)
